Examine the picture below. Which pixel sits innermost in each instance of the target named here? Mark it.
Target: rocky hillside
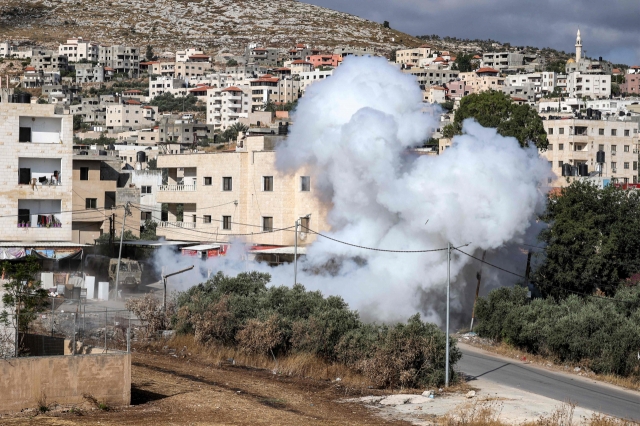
(213, 25)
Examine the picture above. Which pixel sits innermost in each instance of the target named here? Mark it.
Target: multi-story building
(159, 85)
(262, 56)
(301, 52)
(130, 115)
(577, 141)
(49, 61)
(162, 68)
(192, 68)
(331, 60)
(76, 50)
(510, 61)
(89, 73)
(308, 78)
(240, 192)
(36, 203)
(596, 86)
(122, 59)
(268, 88)
(631, 85)
(225, 106)
(431, 77)
(5, 49)
(184, 55)
(148, 182)
(413, 56)
(482, 79)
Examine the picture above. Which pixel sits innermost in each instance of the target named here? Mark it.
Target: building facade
(36, 201)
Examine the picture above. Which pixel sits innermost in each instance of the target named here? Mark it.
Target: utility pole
(124, 219)
(295, 250)
(164, 284)
(446, 373)
(112, 230)
(473, 311)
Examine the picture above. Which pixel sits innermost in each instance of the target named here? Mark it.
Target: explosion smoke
(353, 132)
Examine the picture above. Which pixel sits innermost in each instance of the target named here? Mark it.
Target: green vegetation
(231, 133)
(599, 334)
(243, 312)
(166, 102)
(270, 106)
(149, 53)
(463, 63)
(102, 140)
(232, 63)
(385, 24)
(23, 295)
(593, 240)
(495, 109)
(556, 66)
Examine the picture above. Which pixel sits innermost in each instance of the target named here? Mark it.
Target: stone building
(36, 199)
(240, 192)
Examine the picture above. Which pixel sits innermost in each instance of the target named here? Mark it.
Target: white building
(148, 181)
(308, 78)
(595, 86)
(77, 49)
(131, 115)
(159, 85)
(225, 106)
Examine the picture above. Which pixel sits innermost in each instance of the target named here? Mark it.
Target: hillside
(213, 25)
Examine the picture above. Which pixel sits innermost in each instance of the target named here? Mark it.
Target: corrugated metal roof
(38, 244)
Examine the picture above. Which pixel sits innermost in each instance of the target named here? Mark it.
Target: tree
(23, 295)
(615, 89)
(149, 232)
(557, 66)
(231, 133)
(392, 56)
(232, 63)
(152, 164)
(77, 122)
(385, 24)
(495, 109)
(592, 240)
(463, 63)
(149, 53)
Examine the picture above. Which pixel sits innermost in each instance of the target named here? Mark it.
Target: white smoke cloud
(353, 131)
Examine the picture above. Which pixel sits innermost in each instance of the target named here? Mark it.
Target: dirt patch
(168, 390)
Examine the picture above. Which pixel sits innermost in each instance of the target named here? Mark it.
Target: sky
(609, 28)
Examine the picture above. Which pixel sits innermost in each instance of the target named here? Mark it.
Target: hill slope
(209, 24)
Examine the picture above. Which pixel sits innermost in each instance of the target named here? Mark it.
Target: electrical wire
(533, 282)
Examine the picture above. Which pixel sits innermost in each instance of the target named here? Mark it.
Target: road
(596, 396)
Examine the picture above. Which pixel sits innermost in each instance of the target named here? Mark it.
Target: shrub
(602, 334)
(243, 312)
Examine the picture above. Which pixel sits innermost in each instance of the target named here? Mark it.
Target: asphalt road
(583, 392)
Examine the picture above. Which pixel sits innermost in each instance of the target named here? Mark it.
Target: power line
(373, 248)
(533, 282)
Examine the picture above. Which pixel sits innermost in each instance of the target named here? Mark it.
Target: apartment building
(301, 52)
(431, 77)
(240, 192)
(163, 68)
(268, 88)
(184, 55)
(577, 141)
(36, 202)
(160, 85)
(5, 49)
(130, 115)
(99, 190)
(413, 56)
(225, 106)
(245, 72)
(89, 73)
(77, 49)
(191, 68)
(331, 60)
(510, 61)
(631, 85)
(49, 61)
(122, 59)
(482, 79)
(299, 66)
(262, 56)
(596, 86)
(308, 78)
(148, 182)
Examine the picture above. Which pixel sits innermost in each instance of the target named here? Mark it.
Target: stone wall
(64, 380)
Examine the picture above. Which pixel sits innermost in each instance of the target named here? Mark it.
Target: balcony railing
(176, 188)
(189, 225)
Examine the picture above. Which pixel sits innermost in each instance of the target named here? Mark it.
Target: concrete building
(163, 68)
(482, 79)
(262, 56)
(413, 56)
(225, 106)
(183, 55)
(268, 88)
(585, 65)
(122, 59)
(576, 141)
(130, 115)
(36, 200)
(160, 85)
(5, 49)
(148, 182)
(331, 60)
(77, 49)
(595, 86)
(49, 61)
(240, 192)
(189, 69)
(431, 77)
(89, 73)
(308, 78)
(510, 61)
(631, 85)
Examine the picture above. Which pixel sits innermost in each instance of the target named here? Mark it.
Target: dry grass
(509, 351)
(488, 414)
(299, 365)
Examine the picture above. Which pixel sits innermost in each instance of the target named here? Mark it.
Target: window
(613, 148)
(614, 132)
(626, 147)
(560, 164)
(635, 165)
(267, 224)
(227, 184)
(550, 147)
(626, 133)
(626, 165)
(613, 165)
(305, 183)
(207, 181)
(24, 216)
(560, 146)
(91, 203)
(206, 219)
(146, 189)
(600, 147)
(561, 131)
(626, 180)
(84, 173)
(226, 223)
(267, 183)
(24, 134)
(24, 176)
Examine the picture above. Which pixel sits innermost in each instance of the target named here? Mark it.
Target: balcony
(187, 225)
(176, 188)
(39, 214)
